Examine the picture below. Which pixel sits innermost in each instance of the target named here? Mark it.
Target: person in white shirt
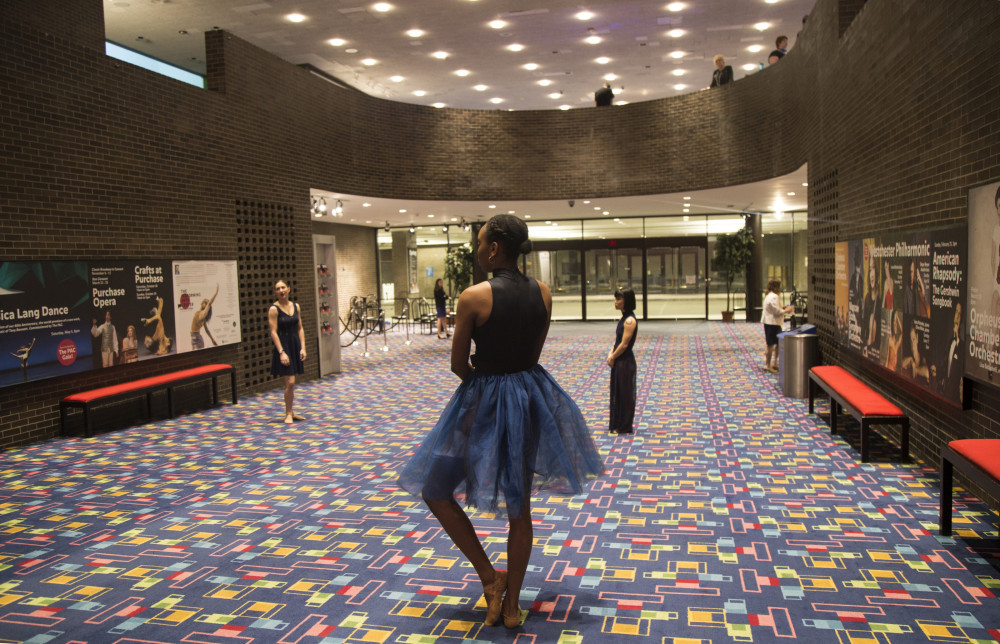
(773, 318)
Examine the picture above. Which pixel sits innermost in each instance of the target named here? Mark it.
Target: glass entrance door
(675, 282)
(560, 269)
(609, 269)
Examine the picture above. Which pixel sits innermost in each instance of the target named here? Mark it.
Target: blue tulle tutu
(501, 437)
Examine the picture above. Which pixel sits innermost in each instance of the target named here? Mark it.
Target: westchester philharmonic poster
(899, 303)
(983, 359)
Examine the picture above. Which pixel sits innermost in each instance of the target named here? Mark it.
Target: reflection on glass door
(675, 282)
(609, 269)
(560, 269)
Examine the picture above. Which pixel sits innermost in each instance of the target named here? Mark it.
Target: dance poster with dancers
(132, 318)
(44, 320)
(206, 304)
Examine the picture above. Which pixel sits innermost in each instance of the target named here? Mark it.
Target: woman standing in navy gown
(622, 363)
(289, 355)
(509, 428)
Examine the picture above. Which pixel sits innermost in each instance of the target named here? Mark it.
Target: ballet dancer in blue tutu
(509, 429)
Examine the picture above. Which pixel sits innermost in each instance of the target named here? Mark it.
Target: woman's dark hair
(628, 295)
(510, 233)
(439, 285)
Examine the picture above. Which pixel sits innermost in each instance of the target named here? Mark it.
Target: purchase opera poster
(983, 323)
(206, 304)
(44, 320)
(132, 318)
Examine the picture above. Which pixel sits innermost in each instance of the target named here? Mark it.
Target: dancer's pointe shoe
(493, 594)
(512, 621)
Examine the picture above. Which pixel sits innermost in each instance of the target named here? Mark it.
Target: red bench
(147, 386)
(859, 400)
(977, 458)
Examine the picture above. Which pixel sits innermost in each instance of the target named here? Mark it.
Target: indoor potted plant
(732, 254)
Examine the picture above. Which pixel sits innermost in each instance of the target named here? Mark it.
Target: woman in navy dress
(289, 340)
(509, 428)
(622, 363)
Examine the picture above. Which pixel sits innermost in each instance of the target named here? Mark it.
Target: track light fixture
(318, 206)
(387, 226)
(444, 229)
(412, 229)
(339, 210)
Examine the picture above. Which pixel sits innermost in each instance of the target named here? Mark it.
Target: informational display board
(59, 318)
(899, 303)
(983, 360)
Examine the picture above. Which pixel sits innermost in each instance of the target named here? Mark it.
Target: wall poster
(60, 318)
(899, 303)
(983, 360)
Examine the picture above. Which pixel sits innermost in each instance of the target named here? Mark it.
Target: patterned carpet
(730, 516)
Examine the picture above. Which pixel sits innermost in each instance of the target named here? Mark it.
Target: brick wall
(895, 111)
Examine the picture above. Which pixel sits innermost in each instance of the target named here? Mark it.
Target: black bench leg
(149, 405)
(62, 418)
(904, 440)
(88, 431)
(215, 390)
(864, 440)
(232, 384)
(834, 412)
(944, 517)
(812, 394)
(170, 401)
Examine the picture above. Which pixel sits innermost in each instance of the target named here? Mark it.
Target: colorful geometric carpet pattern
(731, 515)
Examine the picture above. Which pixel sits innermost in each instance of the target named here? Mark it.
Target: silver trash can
(797, 354)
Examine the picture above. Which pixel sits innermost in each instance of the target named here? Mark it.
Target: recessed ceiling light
(337, 42)
(565, 107)
(440, 55)
(680, 86)
(587, 201)
(750, 66)
(496, 100)
(687, 198)
(679, 72)
(762, 26)
(677, 55)
(676, 33)
(366, 205)
(295, 17)
(439, 105)
(755, 48)
(461, 72)
(592, 40)
(687, 210)
(527, 216)
(804, 184)
(419, 92)
(609, 77)
(402, 210)
(492, 205)
(397, 79)
(430, 216)
(382, 7)
(530, 66)
(676, 6)
(597, 207)
(497, 24)
(555, 95)
(481, 88)
(584, 15)
(515, 47)
(771, 1)
(369, 62)
(351, 50)
(545, 82)
(603, 60)
(415, 33)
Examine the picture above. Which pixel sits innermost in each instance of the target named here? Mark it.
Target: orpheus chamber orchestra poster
(899, 301)
(59, 318)
(983, 360)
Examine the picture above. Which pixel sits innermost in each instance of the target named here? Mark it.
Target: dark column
(753, 281)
